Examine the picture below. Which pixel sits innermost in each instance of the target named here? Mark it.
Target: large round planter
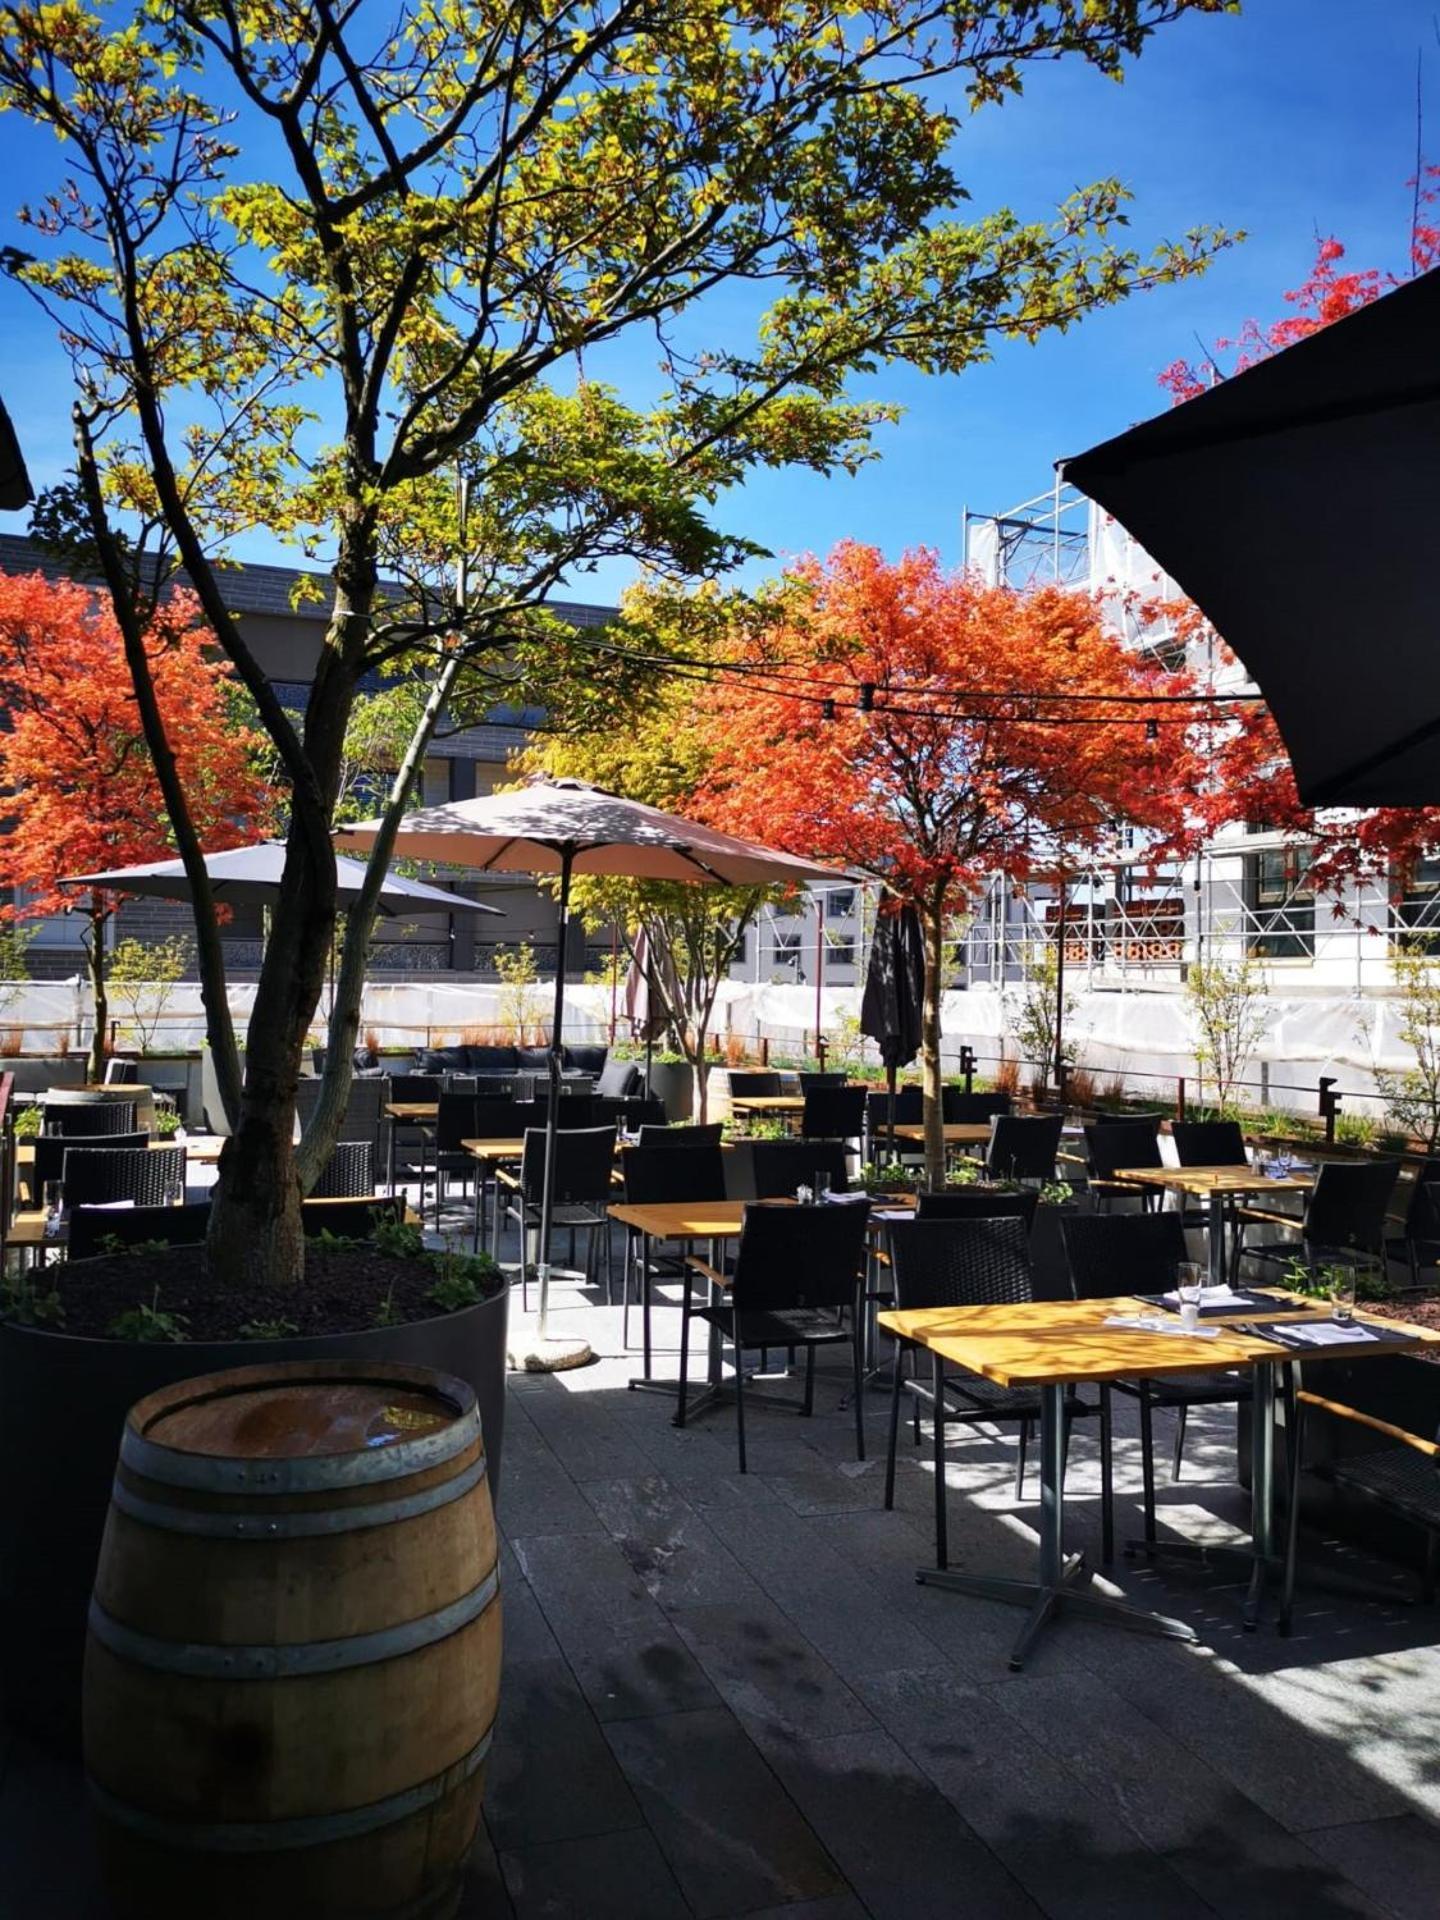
(63, 1403)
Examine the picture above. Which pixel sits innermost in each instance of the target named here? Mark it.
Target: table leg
(1216, 1211)
(1262, 1488)
(1055, 1591)
(646, 1383)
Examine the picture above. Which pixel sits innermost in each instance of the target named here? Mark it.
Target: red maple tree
(924, 727)
(81, 791)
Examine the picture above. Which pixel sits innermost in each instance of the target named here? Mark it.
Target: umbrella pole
(891, 1073)
(548, 1355)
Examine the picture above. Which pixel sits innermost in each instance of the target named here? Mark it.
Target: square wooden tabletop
(958, 1133)
(1204, 1181)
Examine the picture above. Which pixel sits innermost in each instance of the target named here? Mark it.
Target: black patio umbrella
(1297, 504)
(892, 1006)
(15, 488)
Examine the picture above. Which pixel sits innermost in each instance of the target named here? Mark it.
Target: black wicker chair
(980, 1203)
(348, 1174)
(961, 1109)
(629, 1112)
(495, 1116)
(1418, 1243)
(121, 1073)
(681, 1136)
(91, 1227)
(584, 1161)
(810, 1081)
(798, 1273)
(909, 1112)
(1023, 1146)
(780, 1166)
(755, 1086)
(655, 1175)
(1115, 1254)
(51, 1148)
(1113, 1144)
(456, 1119)
(95, 1119)
(1344, 1217)
(833, 1113)
(973, 1263)
(351, 1218)
(148, 1176)
(1209, 1143)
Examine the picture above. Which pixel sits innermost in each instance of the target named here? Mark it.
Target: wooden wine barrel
(294, 1649)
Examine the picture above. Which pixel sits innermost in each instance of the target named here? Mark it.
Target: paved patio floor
(725, 1695)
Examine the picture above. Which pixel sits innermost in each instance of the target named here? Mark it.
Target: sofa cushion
(533, 1059)
(618, 1079)
(441, 1060)
(490, 1059)
(586, 1059)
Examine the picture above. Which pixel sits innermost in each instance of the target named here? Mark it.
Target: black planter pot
(63, 1403)
(1395, 1387)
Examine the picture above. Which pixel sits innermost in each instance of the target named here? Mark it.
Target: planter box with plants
(82, 1342)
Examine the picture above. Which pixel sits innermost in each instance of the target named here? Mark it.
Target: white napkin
(1325, 1333)
(1225, 1296)
(1152, 1323)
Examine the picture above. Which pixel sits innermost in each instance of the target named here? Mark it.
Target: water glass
(1342, 1292)
(822, 1184)
(54, 1198)
(1189, 1284)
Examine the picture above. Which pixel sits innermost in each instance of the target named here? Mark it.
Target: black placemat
(1290, 1334)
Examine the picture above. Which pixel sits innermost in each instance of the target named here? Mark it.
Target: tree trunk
(701, 1067)
(99, 998)
(933, 926)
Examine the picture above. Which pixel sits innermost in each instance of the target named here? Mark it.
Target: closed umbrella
(894, 998)
(566, 828)
(645, 1010)
(1296, 503)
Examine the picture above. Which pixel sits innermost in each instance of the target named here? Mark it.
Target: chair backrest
(783, 1165)
(576, 1110)
(631, 1113)
(799, 1257)
(1208, 1143)
(834, 1113)
(755, 1086)
(960, 1263)
(1023, 1146)
(1422, 1216)
(809, 1081)
(584, 1158)
(1348, 1204)
(121, 1073)
(364, 1110)
(183, 1226)
(349, 1219)
(411, 1088)
(455, 1120)
(681, 1136)
(979, 1203)
(909, 1108)
(694, 1172)
(962, 1109)
(91, 1117)
(497, 1117)
(149, 1176)
(349, 1172)
(1111, 1254)
(51, 1148)
(1151, 1120)
(1121, 1143)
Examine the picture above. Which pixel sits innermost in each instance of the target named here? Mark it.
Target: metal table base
(1054, 1592)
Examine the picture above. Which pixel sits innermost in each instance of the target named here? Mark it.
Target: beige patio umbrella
(567, 828)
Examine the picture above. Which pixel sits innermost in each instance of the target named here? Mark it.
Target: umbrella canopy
(568, 828)
(15, 488)
(530, 830)
(890, 1011)
(643, 1008)
(1296, 504)
(250, 876)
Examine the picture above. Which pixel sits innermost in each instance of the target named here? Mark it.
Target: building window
(1282, 904)
(1417, 906)
(840, 953)
(841, 904)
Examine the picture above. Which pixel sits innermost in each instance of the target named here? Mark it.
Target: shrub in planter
(81, 1343)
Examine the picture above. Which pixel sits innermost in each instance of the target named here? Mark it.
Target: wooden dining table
(1219, 1188)
(1051, 1346)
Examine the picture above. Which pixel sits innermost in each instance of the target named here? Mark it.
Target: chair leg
(739, 1389)
(684, 1352)
(1107, 1480)
(915, 1409)
(1179, 1442)
(807, 1405)
(942, 1544)
(1020, 1460)
(857, 1341)
(1295, 1424)
(894, 1429)
(1147, 1459)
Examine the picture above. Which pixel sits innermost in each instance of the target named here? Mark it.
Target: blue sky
(1296, 116)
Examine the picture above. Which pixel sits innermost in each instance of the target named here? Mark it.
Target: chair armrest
(504, 1179)
(1341, 1411)
(1270, 1219)
(697, 1265)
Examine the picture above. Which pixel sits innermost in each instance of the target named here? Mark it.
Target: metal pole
(1060, 994)
(552, 1117)
(819, 977)
(614, 976)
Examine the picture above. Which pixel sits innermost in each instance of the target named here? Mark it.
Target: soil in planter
(346, 1289)
(1419, 1313)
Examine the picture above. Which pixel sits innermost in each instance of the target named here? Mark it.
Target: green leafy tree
(519, 1003)
(143, 978)
(312, 265)
(1031, 1011)
(1412, 1094)
(1228, 1006)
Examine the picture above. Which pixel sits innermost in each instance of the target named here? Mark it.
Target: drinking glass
(1342, 1292)
(1189, 1283)
(54, 1202)
(804, 1196)
(822, 1184)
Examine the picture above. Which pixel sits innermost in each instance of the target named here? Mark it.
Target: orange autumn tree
(82, 795)
(1005, 732)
